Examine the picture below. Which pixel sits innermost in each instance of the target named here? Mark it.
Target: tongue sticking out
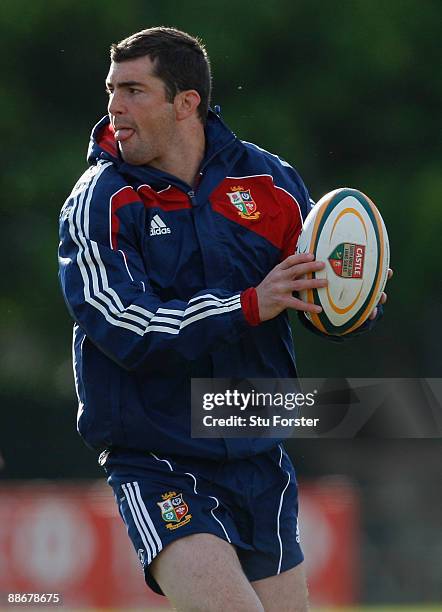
(123, 134)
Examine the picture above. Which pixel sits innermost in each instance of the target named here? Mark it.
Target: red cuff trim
(249, 303)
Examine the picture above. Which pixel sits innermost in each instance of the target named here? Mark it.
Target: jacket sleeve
(300, 206)
(122, 315)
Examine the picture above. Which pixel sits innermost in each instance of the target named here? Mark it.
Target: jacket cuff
(249, 303)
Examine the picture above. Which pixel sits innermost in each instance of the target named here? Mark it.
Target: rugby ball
(346, 231)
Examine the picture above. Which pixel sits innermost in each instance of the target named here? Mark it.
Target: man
(176, 261)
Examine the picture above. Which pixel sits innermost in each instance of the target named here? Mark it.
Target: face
(143, 119)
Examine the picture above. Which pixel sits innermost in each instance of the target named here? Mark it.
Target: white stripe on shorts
(142, 520)
(212, 509)
(279, 514)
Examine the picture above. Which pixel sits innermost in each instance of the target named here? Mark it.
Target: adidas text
(155, 231)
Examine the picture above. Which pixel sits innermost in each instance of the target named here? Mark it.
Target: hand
(383, 297)
(275, 292)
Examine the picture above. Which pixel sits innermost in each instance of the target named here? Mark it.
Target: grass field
(396, 608)
(405, 608)
(401, 608)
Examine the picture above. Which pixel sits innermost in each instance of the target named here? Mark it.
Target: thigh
(286, 592)
(201, 572)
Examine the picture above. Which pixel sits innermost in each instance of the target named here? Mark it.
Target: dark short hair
(180, 61)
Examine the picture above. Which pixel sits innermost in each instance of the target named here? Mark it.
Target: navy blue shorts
(251, 503)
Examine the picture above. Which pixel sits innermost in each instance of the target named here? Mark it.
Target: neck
(185, 154)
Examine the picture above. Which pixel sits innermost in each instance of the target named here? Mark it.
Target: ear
(186, 103)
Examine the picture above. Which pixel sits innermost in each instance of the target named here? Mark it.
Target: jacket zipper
(191, 196)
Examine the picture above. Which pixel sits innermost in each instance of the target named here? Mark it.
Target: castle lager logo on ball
(243, 202)
(347, 260)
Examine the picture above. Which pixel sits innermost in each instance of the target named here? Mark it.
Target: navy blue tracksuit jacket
(157, 277)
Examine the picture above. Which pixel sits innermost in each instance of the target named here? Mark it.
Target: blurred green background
(348, 91)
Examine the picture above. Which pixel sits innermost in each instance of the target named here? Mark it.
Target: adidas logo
(157, 227)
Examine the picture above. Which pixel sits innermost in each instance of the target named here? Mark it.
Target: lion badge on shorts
(174, 510)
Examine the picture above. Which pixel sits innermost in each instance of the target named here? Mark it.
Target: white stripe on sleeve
(99, 293)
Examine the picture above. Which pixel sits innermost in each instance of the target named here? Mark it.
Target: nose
(115, 105)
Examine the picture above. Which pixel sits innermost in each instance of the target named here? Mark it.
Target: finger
(297, 304)
(300, 269)
(298, 258)
(373, 314)
(390, 273)
(304, 283)
(383, 298)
